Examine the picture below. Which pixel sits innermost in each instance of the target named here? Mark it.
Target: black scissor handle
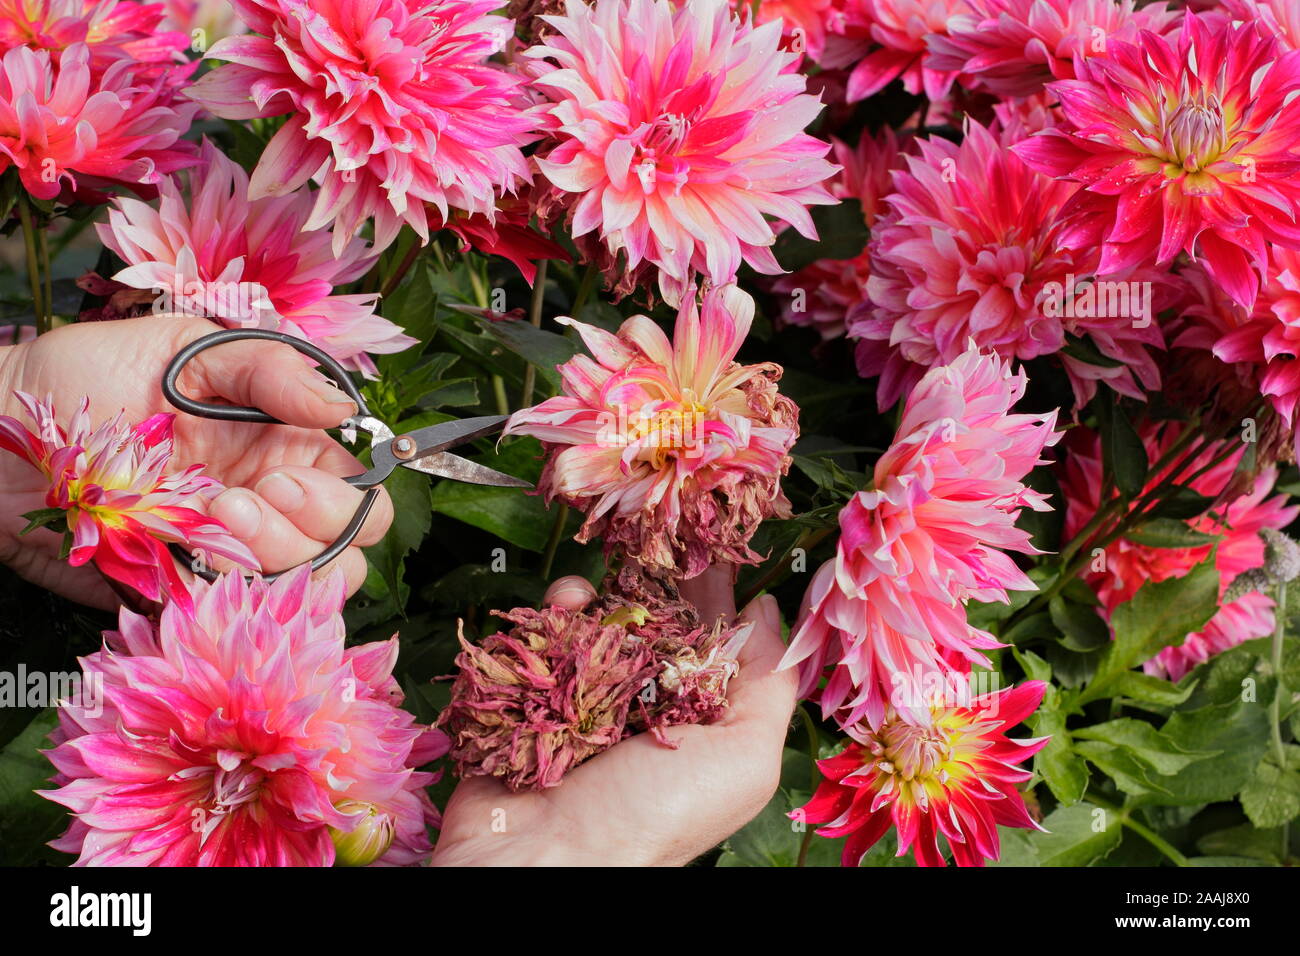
(238, 413)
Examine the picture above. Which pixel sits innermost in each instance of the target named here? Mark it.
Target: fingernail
(281, 492)
(571, 591)
(239, 512)
(324, 389)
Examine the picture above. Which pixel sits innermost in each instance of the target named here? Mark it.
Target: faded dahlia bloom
(1183, 145)
(1014, 47)
(393, 108)
(530, 704)
(249, 262)
(974, 245)
(673, 450)
(121, 508)
(887, 612)
(1237, 522)
(674, 132)
(243, 732)
(903, 28)
(62, 127)
(954, 775)
(113, 30)
(821, 295)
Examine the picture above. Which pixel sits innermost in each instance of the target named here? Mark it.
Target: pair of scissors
(422, 449)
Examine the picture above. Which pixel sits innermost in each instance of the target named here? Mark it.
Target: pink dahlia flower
(674, 132)
(216, 18)
(974, 245)
(673, 450)
(242, 732)
(121, 508)
(1282, 17)
(59, 125)
(1183, 145)
(1014, 47)
(1237, 523)
(113, 31)
(249, 262)
(955, 775)
(902, 29)
(821, 295)
(886, 613)
(393, 108)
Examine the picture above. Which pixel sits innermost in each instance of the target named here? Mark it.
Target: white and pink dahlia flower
(393, 108)
(249, 262)
(886, 615)
(243, 732)
(675, 137)
(672, 449)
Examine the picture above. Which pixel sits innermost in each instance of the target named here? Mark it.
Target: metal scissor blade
(446, 465)
(446, 435)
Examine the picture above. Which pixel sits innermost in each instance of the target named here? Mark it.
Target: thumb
(269, 376)
(759, 692)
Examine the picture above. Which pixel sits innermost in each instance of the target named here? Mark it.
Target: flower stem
(584, 290)
(535, 317)
(43, 322)
(808, 540)
(1275, 707)
(553, 542)
(393, 281)
(1125, 818)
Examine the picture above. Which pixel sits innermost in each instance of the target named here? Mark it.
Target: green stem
(535, 317)
(808, 540)
(393, 281)
(584, 289)
(553, 542)
(499, 391)
(814, 748)
(1156, 840)
(33, 267)
(43, 243)
(1275, 707)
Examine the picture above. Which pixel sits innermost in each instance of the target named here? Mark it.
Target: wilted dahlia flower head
(888, 611)
(673, 450)
(674, 131)
(560, 686)
(392, 107)
(242, 732)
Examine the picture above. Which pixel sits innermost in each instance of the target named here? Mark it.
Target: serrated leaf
(1160, 615)
(544, 349)
(512, 514)
(1145, 743)
(1077, 836)
(56, 519)
(1238, 731)
(1150, 690)
(1129, 774)
(1272, 796)
(1063, 770)
(1082, 627)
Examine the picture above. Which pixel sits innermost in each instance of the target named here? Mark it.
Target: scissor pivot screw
(403, 448)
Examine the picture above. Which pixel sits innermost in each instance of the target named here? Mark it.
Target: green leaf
(1083, 628)
(1084, 351)
(28, 821)
(1124, 455)
(544, 349)
(1129, 774)
(512, 514)
(56, 519)
(1145, 743)
(1063, 770)
(1261, 846)
(1160, 615)
(843, 231)
(1080, 835)
(1237, 731)
(412, 517)
(1169, 533)
(1272, 796)
(1181, 502)
(1146, 689)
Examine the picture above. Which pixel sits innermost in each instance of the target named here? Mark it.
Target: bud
(367, 841)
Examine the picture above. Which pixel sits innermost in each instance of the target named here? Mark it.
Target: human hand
(285, 498)
(640, 803)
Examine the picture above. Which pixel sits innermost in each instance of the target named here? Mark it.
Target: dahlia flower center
(911, 752)
(235, 783)
(667, 427)
(1195, 135)
(656, 145)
